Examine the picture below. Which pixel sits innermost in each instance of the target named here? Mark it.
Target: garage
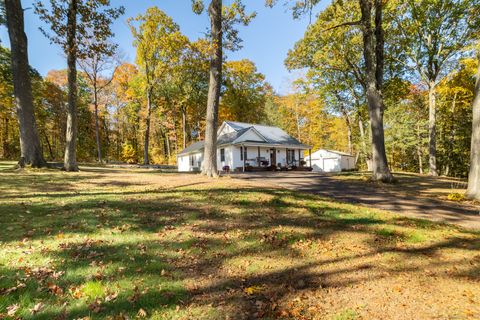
(324, 160)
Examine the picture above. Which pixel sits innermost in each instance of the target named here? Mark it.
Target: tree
(222, 22)
(374, 60)
(473, 190)
(31, 151)
(159, 45)
(96, 17)
(95, 63)
(433, 33)
(245, 92)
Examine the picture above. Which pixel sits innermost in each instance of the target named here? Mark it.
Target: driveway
(398, 199)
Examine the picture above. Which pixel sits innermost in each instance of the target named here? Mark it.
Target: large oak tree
(31, 150)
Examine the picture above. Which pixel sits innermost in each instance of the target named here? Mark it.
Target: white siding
(327, 161)
(184, 162)
(250, 135)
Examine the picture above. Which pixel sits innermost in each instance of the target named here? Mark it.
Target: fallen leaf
(141, 313)
(36, 308)
(252, 290)
(11, 310)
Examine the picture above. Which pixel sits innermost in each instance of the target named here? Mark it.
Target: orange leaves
(54, 289)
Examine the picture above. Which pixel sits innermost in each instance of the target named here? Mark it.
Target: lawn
(122, 244)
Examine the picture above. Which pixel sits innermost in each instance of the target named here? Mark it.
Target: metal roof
(272, 135)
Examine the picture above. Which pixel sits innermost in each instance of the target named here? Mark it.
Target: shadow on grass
(174, 250)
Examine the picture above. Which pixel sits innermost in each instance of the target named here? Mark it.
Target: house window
(243, 153)
(192, 160)
(222, 154)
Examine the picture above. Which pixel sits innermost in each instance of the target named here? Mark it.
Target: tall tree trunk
(451, 139)
(473, 190)
(175, 134)
(419, 151)
(31, 149)
(209, 167)
(146, 159)
(373, 55)
(348, 123)
(5, 139)
(70, 160)
(49, 145)
(432, 129)
(108, 141)
(368, 159)
(97, 128)
(184, 126)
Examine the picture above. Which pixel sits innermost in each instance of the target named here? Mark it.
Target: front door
(273, 157)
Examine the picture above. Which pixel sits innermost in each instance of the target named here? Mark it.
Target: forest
(423, 76)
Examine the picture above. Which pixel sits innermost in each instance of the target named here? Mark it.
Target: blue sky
(266, 40)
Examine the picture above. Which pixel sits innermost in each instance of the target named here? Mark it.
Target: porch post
(286, 157)
(258, 159)
(310, 156)
(243, 155)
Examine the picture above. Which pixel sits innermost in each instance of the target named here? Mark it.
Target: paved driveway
(372, 195)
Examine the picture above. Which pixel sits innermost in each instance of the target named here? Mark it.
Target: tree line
(391, 82)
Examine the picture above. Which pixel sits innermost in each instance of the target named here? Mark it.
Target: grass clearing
(109, 243)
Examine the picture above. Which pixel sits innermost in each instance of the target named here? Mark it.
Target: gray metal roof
(196, 146)
(272, 135)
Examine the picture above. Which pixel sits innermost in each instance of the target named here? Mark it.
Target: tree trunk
(209, 167)
(97, 128)
(432, 129)
(348, 123)
(146, 160)
(31, 149)
(373, 55)
(419, 151)
(473, 190)
(5, 139)
(368, 159)
(184, 127)
(70, 160)
(451, 139)
(49, 145)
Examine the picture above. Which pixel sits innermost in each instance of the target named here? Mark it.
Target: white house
(331, 161)
(245, 146)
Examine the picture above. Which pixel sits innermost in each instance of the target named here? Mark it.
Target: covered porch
(264, 157)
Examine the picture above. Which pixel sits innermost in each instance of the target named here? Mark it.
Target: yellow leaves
(76, 292)
(253, 290)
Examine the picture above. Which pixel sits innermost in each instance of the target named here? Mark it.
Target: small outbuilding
(324, 160)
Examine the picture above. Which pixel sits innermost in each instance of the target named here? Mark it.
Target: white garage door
(331, 165)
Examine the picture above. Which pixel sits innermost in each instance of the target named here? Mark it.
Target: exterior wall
(250, 136)
(326, 161)
(229, 155)
(184, 162)
(233, 158)
(348, 163)
(226, 129)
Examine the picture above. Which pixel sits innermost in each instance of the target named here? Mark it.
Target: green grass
(107, 243)
(4, 165)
